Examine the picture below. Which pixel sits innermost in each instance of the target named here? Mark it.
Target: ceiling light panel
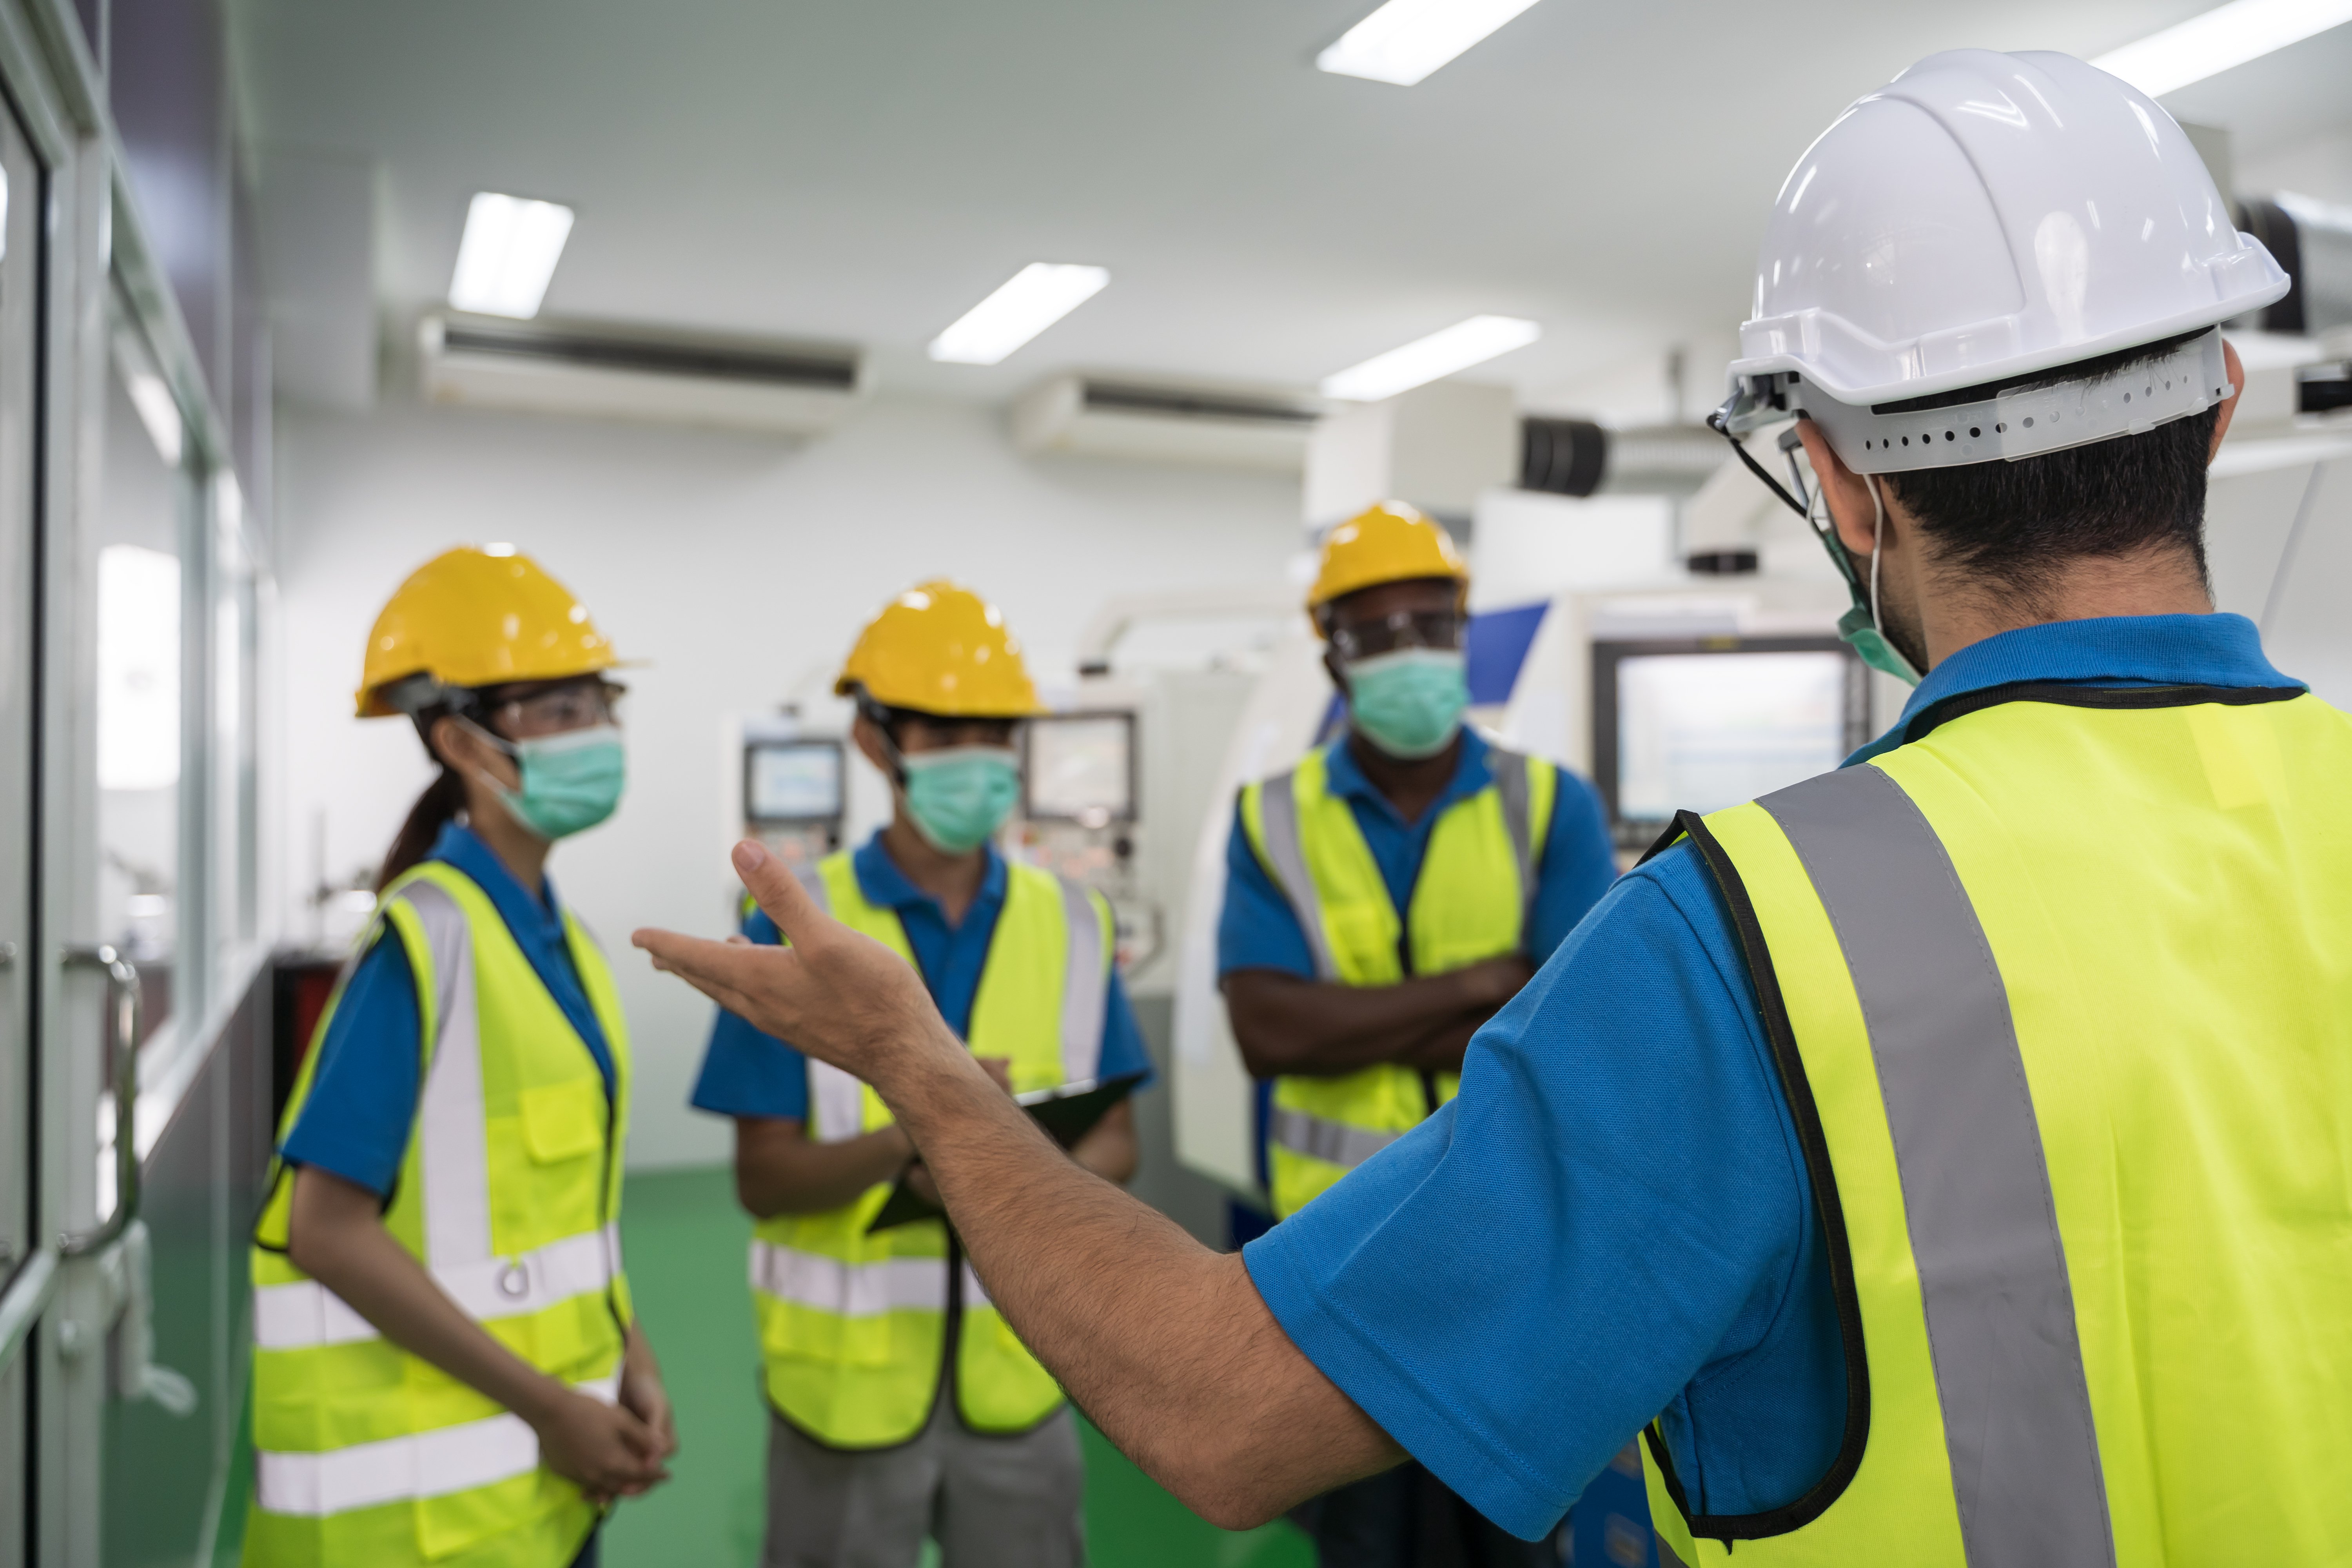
(508, 254)
(1458, 347)
(2210, 43)
(1032, 299)
(1405, 40)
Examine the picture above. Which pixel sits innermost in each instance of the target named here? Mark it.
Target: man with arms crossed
(1382, 899)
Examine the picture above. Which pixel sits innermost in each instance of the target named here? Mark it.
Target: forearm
(353, 1255)
(1443, 1050)
(779, 1170)
(1287, 1024)
(1165, 1344)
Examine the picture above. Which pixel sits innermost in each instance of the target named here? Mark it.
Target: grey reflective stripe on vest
(1278, 816)
(449, 1114)
(1333, 1142)
(1976, 1184)
(836, 1101)
(1509, 771)
(1086, 986)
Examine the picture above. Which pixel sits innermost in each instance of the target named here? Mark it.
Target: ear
(2237, 372)
(1843, 491)
(460, 748)
(1332, 668)
(451, 745)
(870, 746)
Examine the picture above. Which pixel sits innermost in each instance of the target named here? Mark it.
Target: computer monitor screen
(1704, 725)
(791, 780)
(1080, 768)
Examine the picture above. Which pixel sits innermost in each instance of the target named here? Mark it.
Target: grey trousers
(990, 1502)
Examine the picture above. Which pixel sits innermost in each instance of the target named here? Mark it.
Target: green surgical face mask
(1859, 626)
(959, 796)
(1409, 703)
(571, 782)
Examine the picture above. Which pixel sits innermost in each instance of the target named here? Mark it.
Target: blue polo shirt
(1611, 1223)
(746, 1073)
(362, 1100)
(1258, 928)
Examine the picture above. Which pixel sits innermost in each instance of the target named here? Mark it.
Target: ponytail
(443, 799)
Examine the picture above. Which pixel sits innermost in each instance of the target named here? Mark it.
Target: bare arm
(1285, 1024)
(1166, 1344)
(779, 1170)
(337, 1237)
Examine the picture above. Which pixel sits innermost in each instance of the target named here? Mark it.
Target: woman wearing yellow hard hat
(902, 1403)
(447, 1369)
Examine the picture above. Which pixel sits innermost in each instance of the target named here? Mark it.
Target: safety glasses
(578, 705)
(1371, 637)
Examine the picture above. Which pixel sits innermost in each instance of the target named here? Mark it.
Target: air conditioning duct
(606, 371)
(1218, 427)
(1578, 457)
(2313, 242)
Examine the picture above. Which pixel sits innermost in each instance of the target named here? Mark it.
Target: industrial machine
(794, 789)
(1078, 815)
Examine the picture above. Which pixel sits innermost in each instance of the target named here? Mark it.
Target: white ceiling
(867, 169)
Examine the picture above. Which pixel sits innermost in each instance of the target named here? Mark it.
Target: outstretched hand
(836, 993)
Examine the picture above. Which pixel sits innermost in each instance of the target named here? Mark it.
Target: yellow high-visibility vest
(1469, 904)
(2061, 994)
(510, 1196)
(856, 1328)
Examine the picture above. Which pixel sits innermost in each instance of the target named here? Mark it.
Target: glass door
(29, 1271)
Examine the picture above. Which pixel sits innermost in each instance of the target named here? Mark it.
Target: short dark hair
(2020, 524)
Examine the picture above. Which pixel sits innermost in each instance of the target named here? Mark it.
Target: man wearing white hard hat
(1944, 1161)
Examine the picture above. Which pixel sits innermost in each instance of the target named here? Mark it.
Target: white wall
(736, 566)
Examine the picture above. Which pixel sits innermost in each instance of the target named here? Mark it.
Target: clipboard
(1067, 1112)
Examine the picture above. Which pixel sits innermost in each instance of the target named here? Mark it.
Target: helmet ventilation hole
(1974, 432)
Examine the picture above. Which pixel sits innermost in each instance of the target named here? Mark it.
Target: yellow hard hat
(480, 617)
(940, 649)
(1390, 542)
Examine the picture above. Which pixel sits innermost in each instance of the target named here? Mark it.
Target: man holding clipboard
(901, 1404)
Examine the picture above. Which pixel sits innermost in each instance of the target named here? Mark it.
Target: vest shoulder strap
(1282, 851)
(837, 1100)
(1086, 976)
(1526, 787)
(450, 1116)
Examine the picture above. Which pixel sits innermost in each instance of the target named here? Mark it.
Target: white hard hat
(1981, 217)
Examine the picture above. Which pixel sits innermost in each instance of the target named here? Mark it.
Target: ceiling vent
(606, 372)
(1215, 428)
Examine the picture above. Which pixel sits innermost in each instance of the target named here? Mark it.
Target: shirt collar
(1343, 777)
(2218, 649)
(879, 878)
(461, 847)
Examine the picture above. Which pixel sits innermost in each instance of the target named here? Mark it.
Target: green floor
(684, 1241)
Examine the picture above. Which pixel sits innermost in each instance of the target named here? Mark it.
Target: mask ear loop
(503, 792)
(874, 714)
(1877, 533)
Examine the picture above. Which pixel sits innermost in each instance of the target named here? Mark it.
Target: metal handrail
(26, 1299)
(124, 999)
